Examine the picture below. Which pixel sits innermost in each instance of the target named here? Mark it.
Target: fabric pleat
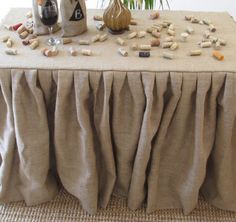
(8, 164)
(156, 138)
(220, 182)
(32, 138)
(128, 104)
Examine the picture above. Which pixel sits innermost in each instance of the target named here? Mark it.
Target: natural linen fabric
(155, 137)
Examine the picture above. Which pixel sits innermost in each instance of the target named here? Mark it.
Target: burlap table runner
(155, 131)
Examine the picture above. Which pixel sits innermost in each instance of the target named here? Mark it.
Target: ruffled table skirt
(155, 138)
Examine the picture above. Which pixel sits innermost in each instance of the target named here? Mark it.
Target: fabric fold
(220, 182)
(74, 140)
(101, 86)
(36, 183)
(8, 164)
(128, 104)
(156, 138)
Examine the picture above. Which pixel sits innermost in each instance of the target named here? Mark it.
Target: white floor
(197, 5)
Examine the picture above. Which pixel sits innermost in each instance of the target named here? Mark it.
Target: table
(153, 130)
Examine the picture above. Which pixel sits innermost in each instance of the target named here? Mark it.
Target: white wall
(197, 5)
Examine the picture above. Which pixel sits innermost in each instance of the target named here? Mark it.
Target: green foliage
(142, 4)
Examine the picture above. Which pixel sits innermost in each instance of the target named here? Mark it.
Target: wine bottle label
(77, 13)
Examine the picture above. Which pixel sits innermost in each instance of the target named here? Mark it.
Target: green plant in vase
(139, 4)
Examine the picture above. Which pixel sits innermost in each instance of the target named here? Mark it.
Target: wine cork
(95, 38)
(217, 46)
(212, 28)
(103, 38)
(34, 44)
(213, 39)
(86, 52)
(29, 15)
(123, 52)
(120, 41)
(205, 44)
(184, 36)
(100, 26)
(132, 35)
(141, 34)
(145, 47)
(206, 22)
(84, 42)
(30, 30)
(188, 17)
(32, 39)
(15, 27)
(11, 52)
(155, 15)
(5, 38)
(8, 27)
(21, 29)
(133, 22)
(72, 51)
(166, 45)
(157, 27)
(97, 18)
(156, 34)
(169, 39)
(170, 32)
(218, 55)
(174, 46)
(222, 42)
(24, 35)
(206, 34)
(194, 20)
(197, 52)
(201, 22)
(164, 25)
(46, 52)
(155, 42)
(134, 47)
(189, 30)
(9, 43)
(172, 27)
(150, 30)
(168, 55)
(66, 41)
(144, 54)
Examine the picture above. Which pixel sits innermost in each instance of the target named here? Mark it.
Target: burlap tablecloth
(156, 131)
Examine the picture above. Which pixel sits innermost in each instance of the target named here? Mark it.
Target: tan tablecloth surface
(153, 130)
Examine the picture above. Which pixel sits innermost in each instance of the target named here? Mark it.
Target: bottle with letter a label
(74, 17)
